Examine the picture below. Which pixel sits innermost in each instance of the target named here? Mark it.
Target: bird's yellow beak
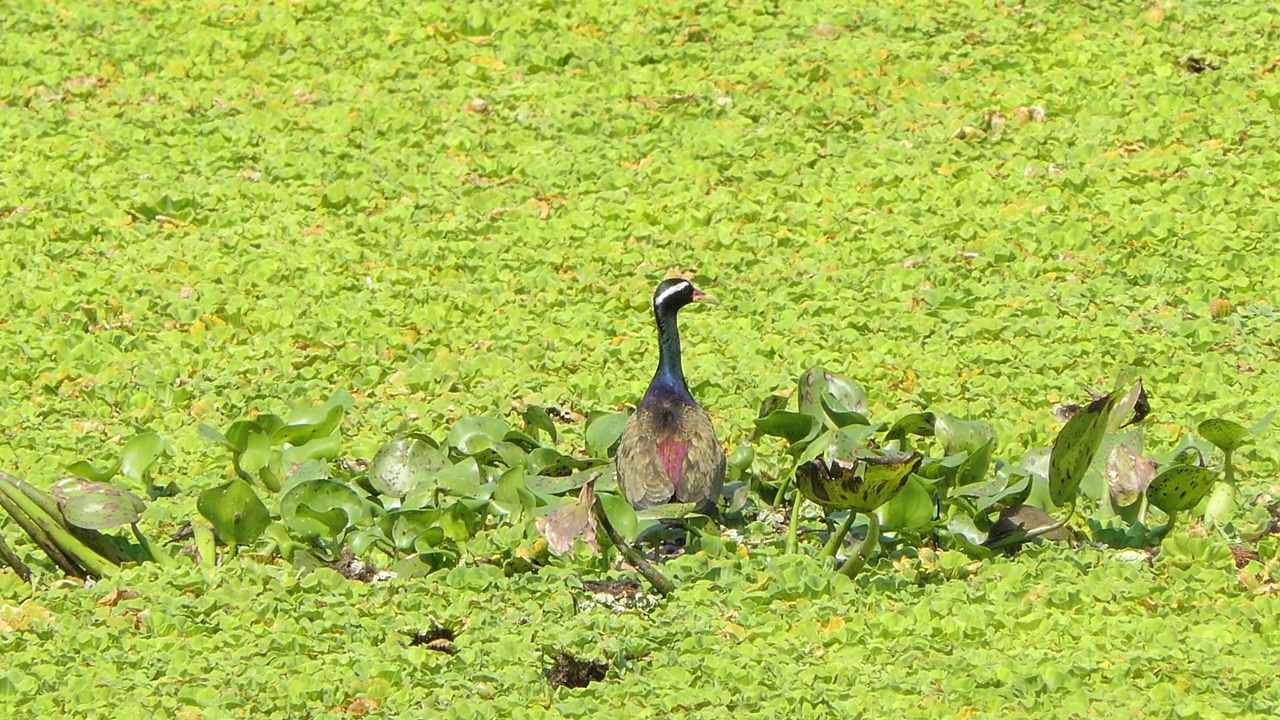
(701, 297)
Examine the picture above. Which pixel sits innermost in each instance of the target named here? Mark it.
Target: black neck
(668, 381)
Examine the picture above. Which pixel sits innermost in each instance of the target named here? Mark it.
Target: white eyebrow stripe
(671, 291)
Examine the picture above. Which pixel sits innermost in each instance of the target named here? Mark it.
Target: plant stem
(158, 555)
(782, 490)
(95, 539)
(82, 554)
(863, 550)
(793, 542)
(837, 538)
(37, 533)
(12, 560)
(633, 556)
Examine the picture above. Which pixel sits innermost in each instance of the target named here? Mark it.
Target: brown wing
(669, 452)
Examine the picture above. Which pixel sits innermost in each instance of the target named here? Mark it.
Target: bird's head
(675, 293)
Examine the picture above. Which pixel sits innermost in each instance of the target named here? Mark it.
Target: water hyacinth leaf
(83, 469)
(571, 522)
(475, 434)
(805, 451)
(209, 433)
(862, 485)
(309, 522)
(553, 463)
(459, 522)
(1128, 474)
(1180, 487)
(989, 493)
(406, 527)
(321, 448)
(257, 452)
(536, 418)
(237, 436)
(512, 495)
(299, 431)
(511, 454)
(911, 509)
(1020, 520)
(1224, 434)
(363, 540)
(322, 497)
(621, 515)
(603, 432)
(841, 418)
(234, 510)
(96, 506)
(921, 424)
(1075, 447)
(852, 441)
(975, 466)
(1131, 408)
(522, 440)
(768, 406)
(792, 427)
(670, 511)
(461, 478)
(139, 454)
(958, 435)
(739, 462)
(841, 393)
(404, 464)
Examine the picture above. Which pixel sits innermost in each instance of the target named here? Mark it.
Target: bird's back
(669, 453)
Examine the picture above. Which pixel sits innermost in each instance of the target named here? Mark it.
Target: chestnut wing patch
(672, 454)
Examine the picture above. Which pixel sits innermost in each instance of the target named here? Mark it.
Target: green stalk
(11, 559)
(863, 550)
(96, 540)
(837, 538)
(82, 554)
(157, 554)
(206, 544)
(37, 533)
(793, 542)
(782, 490)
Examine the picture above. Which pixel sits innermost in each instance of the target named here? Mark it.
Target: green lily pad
(402, 465)
(1180, 487)
(96, 506)
(234, 510)
(863, 484)
(1224, 434)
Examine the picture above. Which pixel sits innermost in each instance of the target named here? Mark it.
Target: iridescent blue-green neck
(668, 382)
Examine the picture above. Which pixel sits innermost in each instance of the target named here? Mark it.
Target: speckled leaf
(1180, 487)
(403, 465)
(863, 484)
(96, 506)
(1224, 434)
(1075, 447)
